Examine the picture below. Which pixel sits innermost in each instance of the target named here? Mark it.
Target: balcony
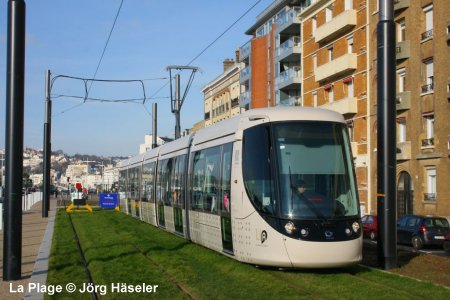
(429, 196)
(245, 74)
(428, 143)
(290, 50)
(427, 35)
(401, 4)
(345, 106)
(289, 23)
(244, 51)
(402, 51)
(403, 101)
(427, 88)
(246, 98)
(342, 64)
(344, 21)
(289, 79)
(404, 151)
(292, 101)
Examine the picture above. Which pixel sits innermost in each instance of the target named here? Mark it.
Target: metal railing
(427, 88)
(427, 34)
(429, 196)
(428, 142)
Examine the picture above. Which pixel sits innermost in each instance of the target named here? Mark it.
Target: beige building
(221, 95)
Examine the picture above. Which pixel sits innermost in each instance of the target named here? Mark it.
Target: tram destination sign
(108, 201)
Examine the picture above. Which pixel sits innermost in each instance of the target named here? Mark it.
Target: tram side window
(134, 183)
(122, 184)
(205, 180)
(148, 172)
(198, 177)
(177, 182)
(225, 193)
(256, 169)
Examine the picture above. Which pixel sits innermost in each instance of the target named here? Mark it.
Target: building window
(314, 24)
(401, 30)
(401, 78)
(328, 14)
(330, 93)
(428, 11)
(315, 99)
(429, 75)
(350, 44)
(330, 53)
(315, 61)
(429, 129)
(351, 130)
(401, 130)
(350, 90)
(430, 195)
(348, 4)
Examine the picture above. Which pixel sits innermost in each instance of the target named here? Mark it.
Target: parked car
(447, 244)
(370, 226)
(422, 230)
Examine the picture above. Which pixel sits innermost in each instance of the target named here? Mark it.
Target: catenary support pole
(177, 107)
(15, 82)
(47, 146)
(386, 138)
(155, 125)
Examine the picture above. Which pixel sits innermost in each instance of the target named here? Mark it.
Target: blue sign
(108, 201)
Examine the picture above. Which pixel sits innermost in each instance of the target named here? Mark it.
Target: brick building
(323, 53)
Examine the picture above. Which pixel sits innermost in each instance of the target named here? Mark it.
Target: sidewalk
(37, 234)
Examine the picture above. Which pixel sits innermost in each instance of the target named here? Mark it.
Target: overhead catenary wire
(106, 45)
(212, 43)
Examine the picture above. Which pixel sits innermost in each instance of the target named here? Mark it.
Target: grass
(121, 249)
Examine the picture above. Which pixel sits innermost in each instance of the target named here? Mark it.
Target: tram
(270, 187)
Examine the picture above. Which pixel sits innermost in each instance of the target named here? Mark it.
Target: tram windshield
(310, 164)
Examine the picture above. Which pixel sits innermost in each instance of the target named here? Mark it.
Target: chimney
(227, 63)
(237, 54)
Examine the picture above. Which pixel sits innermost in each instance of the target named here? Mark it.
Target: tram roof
(273, 114)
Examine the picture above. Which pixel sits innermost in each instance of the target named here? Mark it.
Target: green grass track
(120, 249)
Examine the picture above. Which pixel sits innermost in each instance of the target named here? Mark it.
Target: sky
(68, 37)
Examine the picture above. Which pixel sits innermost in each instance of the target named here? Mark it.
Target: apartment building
(323, 53)
(221, 96)
(422, 104)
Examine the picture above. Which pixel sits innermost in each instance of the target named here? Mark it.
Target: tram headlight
(304, 232)
(290, 227)
(356, 227)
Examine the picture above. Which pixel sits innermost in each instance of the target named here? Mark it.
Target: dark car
(447, 244)
(422, 230)
(370, 226)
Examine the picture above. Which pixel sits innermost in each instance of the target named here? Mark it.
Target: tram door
(225, 196)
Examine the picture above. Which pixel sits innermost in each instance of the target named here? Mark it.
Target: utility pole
(386, 138)
(155, 125)
(15, 83)
(47, 146)
(177, 101)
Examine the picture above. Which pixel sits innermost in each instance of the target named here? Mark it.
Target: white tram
(233, 187)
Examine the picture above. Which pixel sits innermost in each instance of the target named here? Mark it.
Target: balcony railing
(427, 35)
(427, 88)
(403, 100)
(342, 22)
(291, 17)
(404, 150)
(429, 196)
(245, 50)
(288, 47)
(428, 142)
(290, 76)
(246, 98)
(400, 4)
(402, 51)
(245, 74)
(292, 101)
(342, 64)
